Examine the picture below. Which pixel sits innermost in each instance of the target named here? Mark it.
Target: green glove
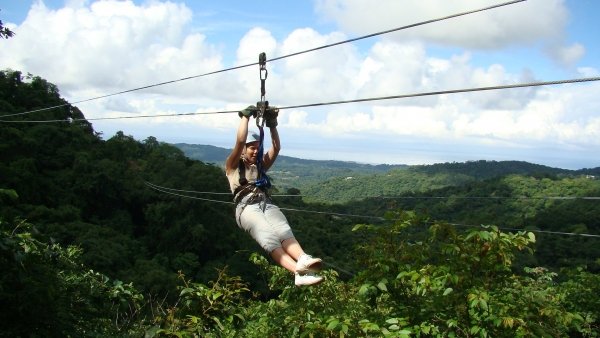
(248, 112)
(271, 117)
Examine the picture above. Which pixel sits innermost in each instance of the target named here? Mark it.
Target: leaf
(451, 322)
(357, 227)
(508, 322)
(447, 291)
(364, 289)
(485, 235)
(402, 274)
(333, 324)
(186, 291)
(10, 193)
(218, 322)
(151, 332)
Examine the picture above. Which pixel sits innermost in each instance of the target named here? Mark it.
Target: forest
(89, 249)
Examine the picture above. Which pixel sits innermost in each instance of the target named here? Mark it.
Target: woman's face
(251, 152)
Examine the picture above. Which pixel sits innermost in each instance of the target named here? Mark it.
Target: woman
(255, 212)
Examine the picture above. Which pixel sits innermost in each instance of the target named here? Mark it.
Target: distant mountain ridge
(204, 153)
(341, 181)
(217, 155)
(290, 172)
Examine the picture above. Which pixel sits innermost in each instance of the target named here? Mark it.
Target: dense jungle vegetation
(88, 249)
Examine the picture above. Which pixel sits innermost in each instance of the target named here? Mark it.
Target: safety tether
(263, 181)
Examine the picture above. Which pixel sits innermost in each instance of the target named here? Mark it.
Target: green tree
(46, 292)
(5, 32)
(453, 284)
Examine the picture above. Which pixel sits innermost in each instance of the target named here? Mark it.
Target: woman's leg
(292, 248)
(284, 259)
(288, 254)
(266, 229)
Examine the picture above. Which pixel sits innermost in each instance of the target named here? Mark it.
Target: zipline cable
(274, 59)
(403, 96)
(163, 190)
(406, 197)
(452, 91)
(495, 197)
(158, 188)
(69, 120)
(207, 192)
(534, 230)
(400, 28)
(129, 90)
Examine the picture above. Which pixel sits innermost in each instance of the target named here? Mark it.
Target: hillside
(422, 178)
(89, 249)
(290, 172)
(341, 181)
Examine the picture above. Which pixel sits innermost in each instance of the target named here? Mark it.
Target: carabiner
(260, 115)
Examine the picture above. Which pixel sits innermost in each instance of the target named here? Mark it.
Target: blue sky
(93, 48)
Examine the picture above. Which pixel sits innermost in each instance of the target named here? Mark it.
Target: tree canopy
(87, 248)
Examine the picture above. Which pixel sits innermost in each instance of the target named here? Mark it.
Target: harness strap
(242, 171)
(263, 181)
(246, 187)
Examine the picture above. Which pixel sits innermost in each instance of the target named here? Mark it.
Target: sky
(95, 48)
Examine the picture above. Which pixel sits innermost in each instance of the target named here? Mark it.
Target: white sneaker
(308, 279)
(308, 263)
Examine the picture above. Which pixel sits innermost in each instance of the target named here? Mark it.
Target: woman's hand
(271, 117)
(250, 111)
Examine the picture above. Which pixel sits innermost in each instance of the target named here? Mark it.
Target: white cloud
(532, 23)
(553, 115)
(256, 41)
(518, 23)
(392, 68)
(323, 75)
(588, 71)
(107, 46)
(566, 55)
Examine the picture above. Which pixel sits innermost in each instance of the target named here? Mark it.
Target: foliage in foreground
(46, 292)
(418, 283)
(419, 279)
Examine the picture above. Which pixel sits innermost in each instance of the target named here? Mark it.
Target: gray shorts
(268, 228)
